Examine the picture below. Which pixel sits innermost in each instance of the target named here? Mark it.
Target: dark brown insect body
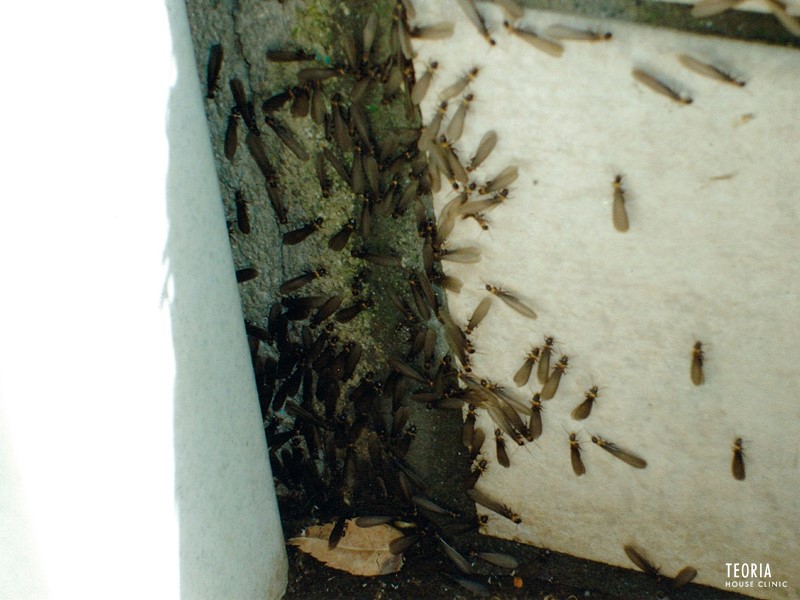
(640, 561)
(707, 70)
(550, 387)
(523, 374)
(623, 455)
(500, 444)
(242, 215)
(540, 43)
(291, 238)
(535, 420)
(659, 86)
(512, 301)
(618, 213)
(301, 280)
(683, 577)
(696, 372)
(543, 371)
(584, 409)
(232, 136)
(479, 314)
(737, 466)
(346, 315)
(480, 498)
(246, 274)
(339, 240)
(575, 455)
(214, 67)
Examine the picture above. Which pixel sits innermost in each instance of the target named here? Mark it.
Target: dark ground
(544, 575)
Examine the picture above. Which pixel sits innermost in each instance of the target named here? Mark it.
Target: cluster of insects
(339, 427)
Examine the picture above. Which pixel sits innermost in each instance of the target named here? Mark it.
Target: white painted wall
(705, 259)
(132, 458)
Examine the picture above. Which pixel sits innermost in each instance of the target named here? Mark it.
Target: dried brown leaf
(362, 551)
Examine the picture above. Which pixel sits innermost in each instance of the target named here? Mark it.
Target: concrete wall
(132, 457)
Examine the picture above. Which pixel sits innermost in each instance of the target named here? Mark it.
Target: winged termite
(246, 274)
(339, 240)
(575, 455)
(550, 386)
(468, 429)
(498, 559)
(426, 503)
(474, 587)
(337, 165)
(243, 106)
(373, 521)
(431, 131)
(658, 86)
(423, 83)
(623, 455)
(437, 31)
(584, 409)
(476, 443)
(469, 8)
(259, 153)
(448, 282)
(479, 218)
(618, 213)
(326, 310)
(368, 36)
(215, 54)
(337, 533)
(640, 561)
(277, 101)
(708, 70)
(564, 32)
(535, 420)
(322, 176)
(547, 46)
(696, 372)
(461, 563)
(505, 178)
(360, 124)
(242, 214)
(485, 501)
(449, 161)
(232, 135)
(684, 576)
(485, 147)
(382, 259)
(737, 466)
(500, 447)
(487, 204)
(341, 131)
(479, 314)
(708, 8)
(456, 125)
(512, 301)
(458, 86)
(466, 255)
(506, 417)
(301, 101)
(478, 469)
(510, 8)
(287, 137)
(779, 10)
(296, 236)
(298, 282)
(319, 73)
(408, 371)
(523, 374)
